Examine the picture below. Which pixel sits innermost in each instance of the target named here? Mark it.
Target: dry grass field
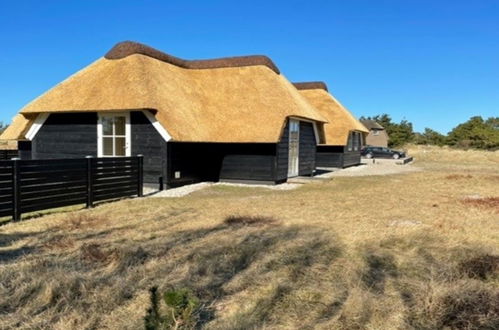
(408, 251)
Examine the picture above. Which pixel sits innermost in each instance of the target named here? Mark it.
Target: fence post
(16, 190)
(140, 181)
(90, 186)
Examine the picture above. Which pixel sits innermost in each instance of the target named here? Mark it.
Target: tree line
(476, 132)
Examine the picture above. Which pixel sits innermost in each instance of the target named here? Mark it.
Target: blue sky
(434, 63)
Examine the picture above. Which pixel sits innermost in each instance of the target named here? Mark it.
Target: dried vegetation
(325, 255)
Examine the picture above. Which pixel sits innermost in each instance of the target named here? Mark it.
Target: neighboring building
(344, 134)
(377, 134)
(231, 119)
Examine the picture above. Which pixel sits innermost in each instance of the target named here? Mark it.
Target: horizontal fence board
(103, 180)
(113, 160)
(54, 183)
(6, 184)
(53, 186)
(5, 213)
(6, 205)
(53, 168)
(6, 199)
(116, 165)
(53, 174)
(6, 191)
(53, 204)
(115, 187)
(53, 193)
(116, 169)
(116, 194)
(42, 181)
(48, 199)
(39, 162)
(103, 190)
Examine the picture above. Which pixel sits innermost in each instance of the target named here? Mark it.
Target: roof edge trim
(310, 85)
(127, 48)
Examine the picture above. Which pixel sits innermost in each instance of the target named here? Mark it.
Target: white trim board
(157, 125)
(37, 124)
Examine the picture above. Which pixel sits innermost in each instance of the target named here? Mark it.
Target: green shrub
(179, 310)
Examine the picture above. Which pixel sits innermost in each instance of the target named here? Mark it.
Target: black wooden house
(232, 119)
(344, 134)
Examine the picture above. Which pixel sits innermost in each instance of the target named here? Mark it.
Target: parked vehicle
(381, 152)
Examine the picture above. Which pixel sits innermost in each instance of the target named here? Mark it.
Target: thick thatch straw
(127, 48)
(311, 85)
(224, 104)
(340, 121)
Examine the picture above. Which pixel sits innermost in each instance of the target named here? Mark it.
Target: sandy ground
(380, 167)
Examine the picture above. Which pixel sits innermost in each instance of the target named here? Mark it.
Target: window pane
(107, 146)
(120, 146)
(107, 125)
(119, 125)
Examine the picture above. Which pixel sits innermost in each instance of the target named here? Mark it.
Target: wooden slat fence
(6, 154)
(35, 185)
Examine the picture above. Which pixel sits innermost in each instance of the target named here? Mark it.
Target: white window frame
(350, 142)
(296, 165)
(128, 133)
(314, 124)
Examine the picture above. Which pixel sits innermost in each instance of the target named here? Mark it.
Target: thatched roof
(340, 121)
(371, 124)
(226, 100)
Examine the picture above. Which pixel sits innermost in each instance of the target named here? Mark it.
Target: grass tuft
(234, 220)
(485, 202)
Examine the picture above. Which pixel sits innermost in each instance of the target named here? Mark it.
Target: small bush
(180, 310)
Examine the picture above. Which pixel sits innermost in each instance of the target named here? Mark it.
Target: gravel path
(186, 190)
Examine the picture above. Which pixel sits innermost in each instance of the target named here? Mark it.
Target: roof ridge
(310, 85)
(127, 48)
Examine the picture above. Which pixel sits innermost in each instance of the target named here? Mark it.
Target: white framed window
(375, 132)
(356, 141)
(114, 134)
(350, 142)
(294, 148)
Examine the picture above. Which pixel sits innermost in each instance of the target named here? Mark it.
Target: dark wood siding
(248, 167)
(336, 156)
(307, 149)
(147, 141)
(330, 156)
(24, 149)
(282, 154)
(66, 135)
(74, 135)
(351, 158)
(197, 162)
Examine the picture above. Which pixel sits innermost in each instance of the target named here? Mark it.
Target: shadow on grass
(222, 261)
(268, 273)
(440, 287)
